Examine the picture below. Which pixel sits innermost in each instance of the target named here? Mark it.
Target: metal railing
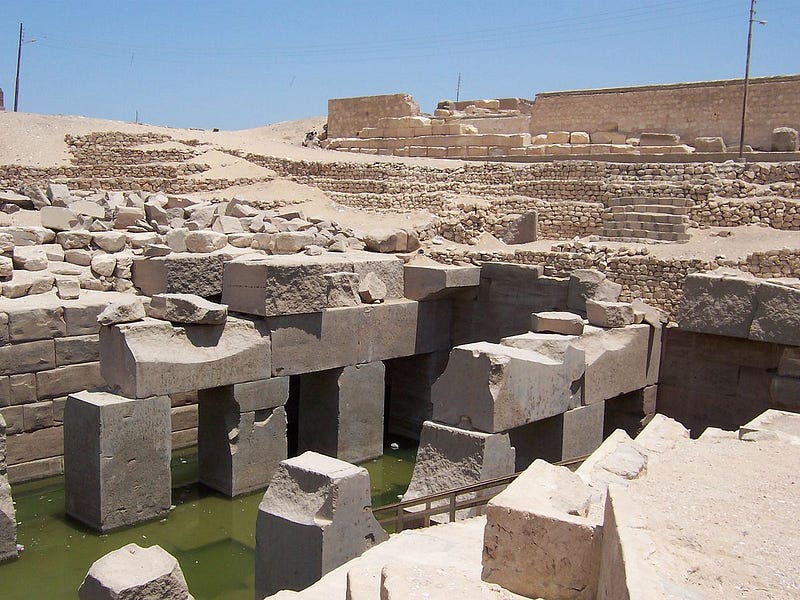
(403, 513)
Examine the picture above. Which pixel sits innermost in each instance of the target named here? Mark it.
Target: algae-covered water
(213, 537)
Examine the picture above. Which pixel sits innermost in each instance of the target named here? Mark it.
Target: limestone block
(492, 387)
(71, 240)
(27, 357)
(609, 314)
(785, 139)
(152, 357)
(78, 256)
(579, 137)
(660, 435)
(587, 284)
(557, 322)
(619, 459)
(449, 457)
(557, 137)
(28, 322)
(116, 459)
(315, 516)
(6, 267)
(721, 302)
(239, 448)
(616, 361)
(77, 349)
(777, 314)
(58, 218)
(58, 192)
(372, 289)
(341, 412)
(407, 581)
(341, 289)
(429, 280)
(8, 520)
(186, 308)
(392, 240)
(205, 241)
(179, 274)
(522, 229)
(122, 311)
(29, 258)
(773, 424)
(710, 144)
(541, 539)
(64, 380)
(135, 572)
(290, 242)
(128, 216)
(88, 208)
(103, 265)
(659, 139)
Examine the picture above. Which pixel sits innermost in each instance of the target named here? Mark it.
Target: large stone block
(777, 314)
(116, 459)
(721, 302)
(299, 284)
(430, 280)
(27, 357)
(785, 139)
(240, 440)
(153, 357)
(590, 284)
(541, 537)
(135, 572)
(341, 412)
(495, 388)
(8, 520)
(449, 458)
(315, 516)
(179, 274)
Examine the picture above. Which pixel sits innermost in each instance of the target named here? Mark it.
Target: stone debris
(372, 289)
(135, 572)
(122, 311)
(186, 308)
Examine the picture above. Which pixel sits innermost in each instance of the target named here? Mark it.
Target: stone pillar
(315, 516)
(135, 572)
(8, 520)
(241, 434)
(116, 459)
(341, 412)
(410, 379)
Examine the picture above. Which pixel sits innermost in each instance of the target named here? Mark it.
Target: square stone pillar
(241, 434)
(116, 459)
(341, 412)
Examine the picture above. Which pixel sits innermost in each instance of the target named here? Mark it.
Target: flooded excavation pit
(212, 536)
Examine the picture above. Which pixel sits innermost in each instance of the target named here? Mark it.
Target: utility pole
(746, 76)
(19, 59)
(458, 87)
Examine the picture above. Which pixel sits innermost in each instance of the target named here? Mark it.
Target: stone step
(651, 208)
(651, 227)
(629, 200)
(620, 234)
(646, 217)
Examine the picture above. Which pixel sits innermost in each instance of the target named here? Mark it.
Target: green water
(213, 537)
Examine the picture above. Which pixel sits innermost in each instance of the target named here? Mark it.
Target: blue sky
(240, 64)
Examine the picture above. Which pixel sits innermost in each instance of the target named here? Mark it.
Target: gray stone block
(590, 284)
(179, 273)
(239, 447)
(785, 139)
(777, 314)
(116, 459)
(314, 517)
(154, 357)
(341, 412)
(721, 302)
(8, 520)
(27, 357)
(431, 280)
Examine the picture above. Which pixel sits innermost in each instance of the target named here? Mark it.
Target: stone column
(8, 520)
(242, 434)
(315, 516)
(341, 412)
(116, 459)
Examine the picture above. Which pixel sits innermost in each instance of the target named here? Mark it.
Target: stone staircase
(646, 220)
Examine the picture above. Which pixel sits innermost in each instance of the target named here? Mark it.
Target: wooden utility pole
(19, 59)
(458, 87)
(746, 77)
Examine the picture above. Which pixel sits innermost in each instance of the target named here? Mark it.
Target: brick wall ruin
(347, 116)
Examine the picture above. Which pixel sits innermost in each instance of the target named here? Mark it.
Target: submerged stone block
(135, 572)
(241, 434)
(315, 516)
(341, 412)
(153, 357)
(116, 459)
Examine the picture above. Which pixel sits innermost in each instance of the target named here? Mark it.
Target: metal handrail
(402, 514)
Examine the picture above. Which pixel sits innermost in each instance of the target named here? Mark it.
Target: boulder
(659, 139)
(290, 242)
(122, 311)
(391, 240)
(187, 308)
(590, 284)
(205, 241)
(785, 139)
(710, 144)
(70, 240)
(58, 218)
(29, 258)
(6, 267)
(103, 265)
(110, 241)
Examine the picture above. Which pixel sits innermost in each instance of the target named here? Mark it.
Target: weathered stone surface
(659, 139)
(777, 314)
(785, 139)
(135, 572)
(405, 581)
(187, 308)
(449, 457)
(710, 144)
(392, 240)
(205, 241)
(116, 459)
(153, 357)
(721, 302)
(8, 521)
(6, 267)
(290, 242)
(609, 314)
(341, 412)
(314, 517)
(773, 424)
(551, 507)
(565, 323)
(240, 443)
(372, 289)
(122, 311)
(179, 274)
(68, 288)
(58, 218)
(27, 357)
(341, 289)
(430, 280)
(585, 284)
(494, 388)
(29, 258)
(618, 460)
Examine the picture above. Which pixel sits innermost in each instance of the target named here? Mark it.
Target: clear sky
(237, 64)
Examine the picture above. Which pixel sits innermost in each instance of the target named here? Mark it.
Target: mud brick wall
(712, 108)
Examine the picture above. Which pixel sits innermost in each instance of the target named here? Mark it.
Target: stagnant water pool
(213, 537)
